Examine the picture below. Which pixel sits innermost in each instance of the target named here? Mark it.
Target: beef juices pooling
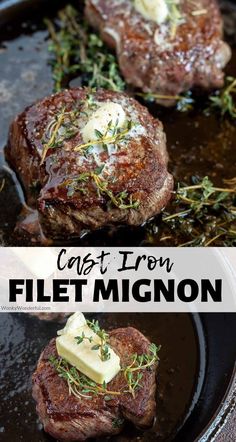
(164, 47)
(89, 159)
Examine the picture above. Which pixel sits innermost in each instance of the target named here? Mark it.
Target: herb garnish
(174, 17)
(117, 422)
(224, 100)
(76, 50)
(183, 102)
(112, 135)
(82, 338)
(61, 128)
(82, 387)
(205, 214)
(133, 372)
(122, 200)
(104, 348)
(79, 385)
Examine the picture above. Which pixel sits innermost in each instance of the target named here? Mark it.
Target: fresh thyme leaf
(95, 347)
(203, 213)
(74, 184)
(113, 135)
(82, 387)
(121, 200)
(78, 384)
(82, 338)
(174, 17)
(98, 134)
(133, 372)
(224, 101)
(61, 128)
(105, 354)
(117, 423)
(99, 169)
(76, 50)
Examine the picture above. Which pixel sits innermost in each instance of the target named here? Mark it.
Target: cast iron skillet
(194, 375)
(197, 361)
(198, 144)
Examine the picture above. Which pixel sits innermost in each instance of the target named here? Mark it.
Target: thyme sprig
(133, 372)
(224, 101)
(76, 50)
(82, 387)
(122, 200)
(61, 128)
(112, 135)
(104, 348)
(82, 338)
(78, 384)
(205, 213)
(174, 16)
(184, 102)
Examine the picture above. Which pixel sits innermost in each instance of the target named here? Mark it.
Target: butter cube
(86, 360)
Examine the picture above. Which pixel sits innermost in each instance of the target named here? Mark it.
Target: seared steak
(123, 181)
(67, 418)
(154, 59)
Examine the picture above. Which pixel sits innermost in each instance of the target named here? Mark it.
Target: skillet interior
(197, 145)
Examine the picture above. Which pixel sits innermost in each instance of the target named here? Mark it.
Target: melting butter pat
(107, 113)
(74, 322)
(81, 356)
(155, 10)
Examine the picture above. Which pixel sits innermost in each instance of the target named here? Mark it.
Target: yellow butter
(74, 322)
(155, 10)
(81, 356)
(109, 112)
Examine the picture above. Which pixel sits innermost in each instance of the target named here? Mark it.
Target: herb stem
(104, 140)
(159, 96)
(176, 215)
(50, 143)
(2, 184)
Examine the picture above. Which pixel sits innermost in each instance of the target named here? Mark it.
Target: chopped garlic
(108, 113)
(155, 10)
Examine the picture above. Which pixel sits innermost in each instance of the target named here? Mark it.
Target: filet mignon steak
(76, 188)
(151, 57)
(66, 417)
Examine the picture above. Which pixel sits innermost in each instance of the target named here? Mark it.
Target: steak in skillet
(120, 182)
(67, 418)
(154, 59)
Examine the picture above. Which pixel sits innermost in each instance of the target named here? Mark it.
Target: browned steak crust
(68, 418)
(139, 166)
(151, 59)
